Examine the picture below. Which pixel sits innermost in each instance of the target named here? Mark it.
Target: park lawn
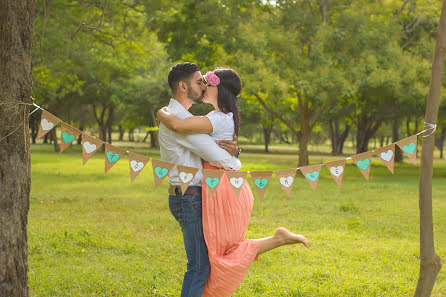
(96, 234)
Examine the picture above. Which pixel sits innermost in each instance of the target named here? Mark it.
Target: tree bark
(16, 43)
(439, 141)
(396, 137)
(267, 135)
(430, 262)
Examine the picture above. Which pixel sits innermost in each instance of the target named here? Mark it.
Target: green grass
(96, 234)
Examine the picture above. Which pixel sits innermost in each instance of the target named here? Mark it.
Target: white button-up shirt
(189, 149)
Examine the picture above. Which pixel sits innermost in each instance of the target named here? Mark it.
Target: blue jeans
(187, 211)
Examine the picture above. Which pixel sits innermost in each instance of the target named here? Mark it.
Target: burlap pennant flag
(112, 155)
(312, 174)
(364, 161)
(161, 169)
(47, 122)
(137, 164)
(409, 147)
(186, 174)
(336, 169)
(236, 180)
(212, 179)
(286, 179)
(89, 146)
(387, 155)
(261, 181)
(69, 134)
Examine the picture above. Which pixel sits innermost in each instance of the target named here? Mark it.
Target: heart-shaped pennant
(364, 162)
(112, 155)
(89, 146)
(47, 122)
(236, 180)
(161, 170)
(186, 175)
(261, 181)
(336, 169)
(311, 174)
(137, 164)
(286, 179)
(211, 178)
(387, 155)
(69, 134)
(409, 147)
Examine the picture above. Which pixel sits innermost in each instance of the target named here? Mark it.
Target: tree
(16, 44)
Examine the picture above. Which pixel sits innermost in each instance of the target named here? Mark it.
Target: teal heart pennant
(213, 179)
(261, 181)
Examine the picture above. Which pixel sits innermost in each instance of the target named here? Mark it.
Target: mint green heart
(112, 157)
(161, 172)
(364, 164)
(212, 182)
(313, 176)
(409, 148)
(67, 138)
(261, 183)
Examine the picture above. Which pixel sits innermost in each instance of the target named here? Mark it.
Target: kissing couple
(213, 227)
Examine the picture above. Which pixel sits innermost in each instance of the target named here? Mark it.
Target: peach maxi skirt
(225, 220)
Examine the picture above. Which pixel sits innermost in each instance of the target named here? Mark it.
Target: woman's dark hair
(228, 90)
(181, 72)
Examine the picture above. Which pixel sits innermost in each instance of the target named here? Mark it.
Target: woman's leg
(281, 237)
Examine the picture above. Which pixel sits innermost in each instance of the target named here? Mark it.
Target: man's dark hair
(181, 72)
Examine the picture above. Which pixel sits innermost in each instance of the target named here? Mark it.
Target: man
(188, 88)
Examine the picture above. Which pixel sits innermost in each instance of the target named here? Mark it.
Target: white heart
(136, 166)
(336, 171)
(89, 147)
(46, 125)
(186, 177)
(387, 156)
(236, 182)
(286, 181)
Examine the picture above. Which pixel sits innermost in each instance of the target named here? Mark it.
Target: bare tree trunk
(16, 43)
(439, 141)
(396, 137)
(430, 262)
(121, 133)
(267, 135)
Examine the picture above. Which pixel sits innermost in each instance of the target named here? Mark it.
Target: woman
(225, 216)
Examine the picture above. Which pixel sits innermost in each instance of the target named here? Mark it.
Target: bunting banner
(336, 169)
(112, 155)
(161, 169)
(89, 146)
(186, 174)
(387, 155)
(286, 179)
(409, 147)
(212, 179)
(69, 134)
(137, 164)
(363, 161)
(236, 180)
(261, 181)
(311, 174)
(47, 122)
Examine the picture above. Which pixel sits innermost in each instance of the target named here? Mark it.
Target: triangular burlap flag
(137, 164)
(409, 147)
(212, 179)
(336, 169)
(47, 122)
(363, 161)
(311, 174)
(112, 155)
(89, 146)
(161, 169)
(261, 181)
(236, 180)
(186, 174)
(69, 134)
(387, 155)
(286, 179)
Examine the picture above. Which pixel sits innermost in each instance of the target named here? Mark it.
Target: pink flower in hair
(212, 79)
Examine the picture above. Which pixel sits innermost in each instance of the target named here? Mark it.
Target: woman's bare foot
(286, 237)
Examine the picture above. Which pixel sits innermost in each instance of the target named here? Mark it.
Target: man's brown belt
(176, 190)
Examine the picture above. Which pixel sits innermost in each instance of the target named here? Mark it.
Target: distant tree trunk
(34, 126)
(381, 141)
(79, 140)
(46, 137)
(16, 44)
(337, 138)
(366, 128)
(109, 124)
(131, 138)
(53, 138)
(267, 128)
(439, 141)
(121, 133)
(396, 137)
(408, 127)
(430, 262)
